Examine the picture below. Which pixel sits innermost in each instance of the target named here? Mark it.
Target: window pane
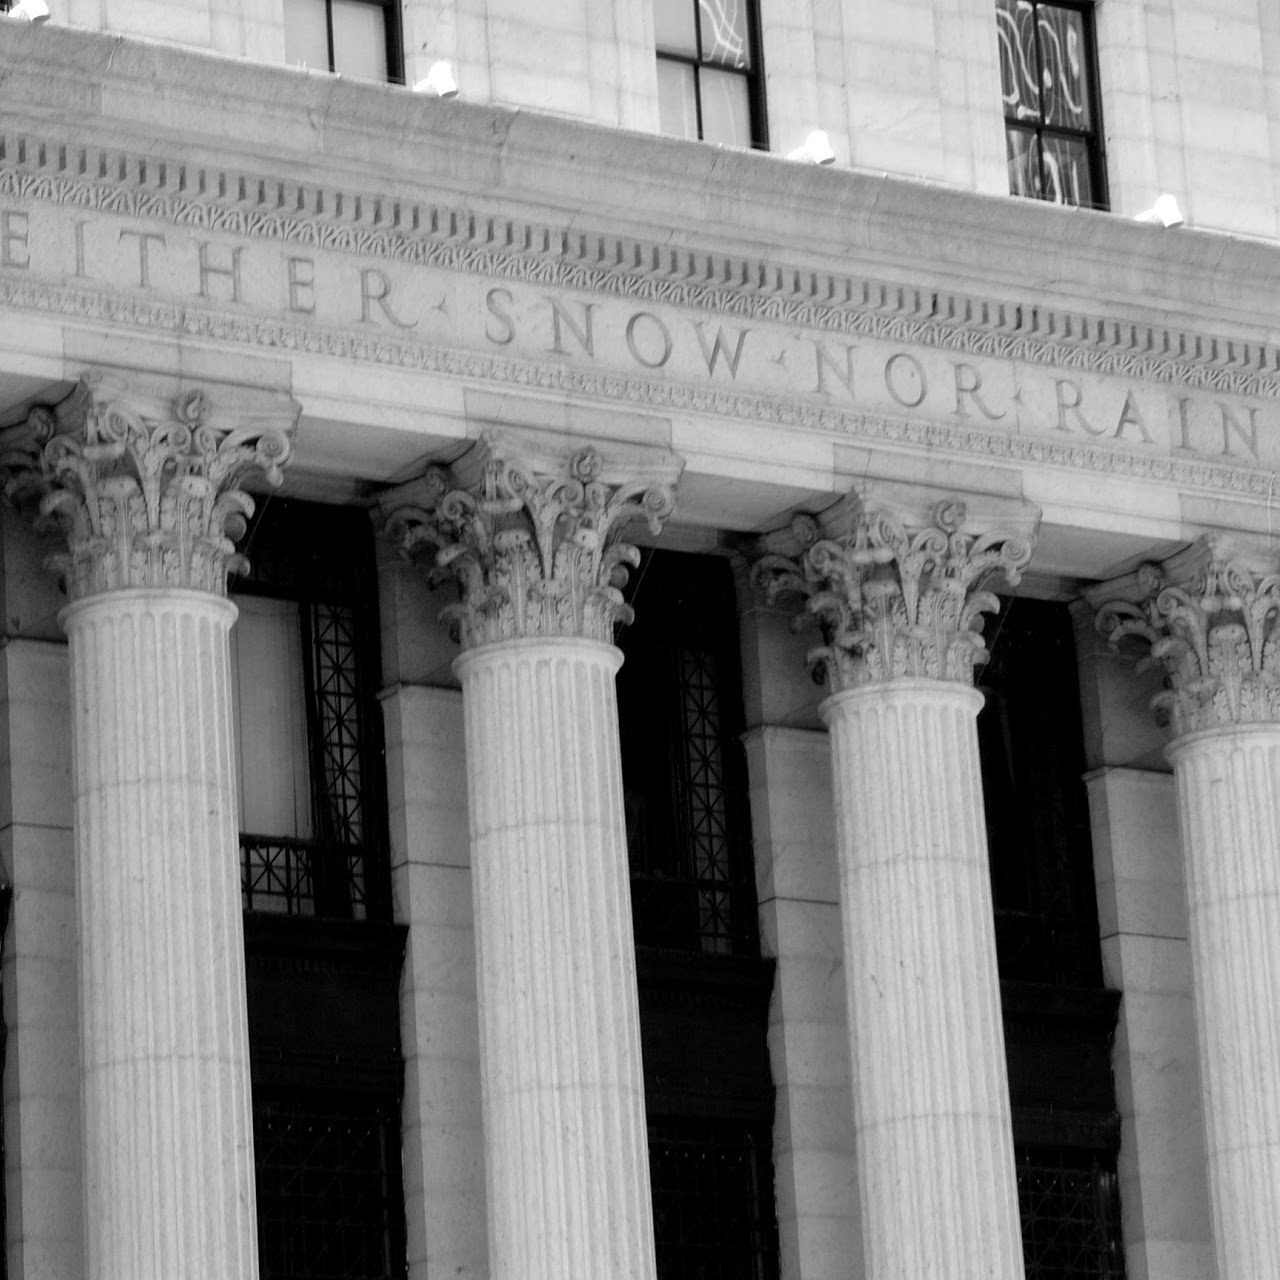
(726, 108)
(271, 718)
(1063, 67)
(673, 27)
(677, 108)
(1066, 171)
(1023, 150)
(360, 39)
(1015, 27)
(306, 40)
(725, 38)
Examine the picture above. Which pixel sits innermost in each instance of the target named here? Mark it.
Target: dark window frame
(753, 76)
(1094, 139)
(394, 36)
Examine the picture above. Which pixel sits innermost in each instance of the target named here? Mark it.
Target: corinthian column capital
(147, 489)
(1210, 617)
(534, 538)
(898, 590)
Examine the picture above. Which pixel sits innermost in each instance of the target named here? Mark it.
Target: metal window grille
(336, 730)
(1048, 78)
(291, 877)
(712, 1202)
(329, 1189)
(1070, 1204)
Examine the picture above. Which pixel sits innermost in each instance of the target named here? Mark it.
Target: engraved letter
(825, 362)
(80, 272)
(1131, 416)
(711, 354)
(969, 384)
(207, 272)
(582, 332)
(634, 347)
(1184, 421)
(508, 330)
(299, 284)
(13, 234)
(1060, 386)
(890, 382)
(1231, 423)
(369, 277)
(144, 253)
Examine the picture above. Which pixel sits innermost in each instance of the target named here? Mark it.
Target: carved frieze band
(146, 491)
(533, 539)
(390, 349)
(1210, 618)
(897, 596)
(381, 226)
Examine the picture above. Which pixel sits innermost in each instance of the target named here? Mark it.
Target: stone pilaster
(1211, 619)
(146, 492)
(534, 544)
(899, 599)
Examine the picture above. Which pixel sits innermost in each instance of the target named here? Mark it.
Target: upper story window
(1049, 81)
(359, 38)
(708, 73)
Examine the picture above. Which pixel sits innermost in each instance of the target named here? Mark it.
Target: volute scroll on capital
(533, 538)
(147, 489)
(1210, 619)
(898, 593)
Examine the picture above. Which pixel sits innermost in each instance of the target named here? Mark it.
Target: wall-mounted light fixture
(438, 80)
(1164, 212)
(816, 149)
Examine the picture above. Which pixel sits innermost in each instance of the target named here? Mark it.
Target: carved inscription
(612, 335)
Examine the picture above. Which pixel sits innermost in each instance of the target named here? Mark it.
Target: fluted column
(147, 495)
(534, 544)
(1211, 619)
(898, 597)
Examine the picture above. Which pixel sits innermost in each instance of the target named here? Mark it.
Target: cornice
(382, 225)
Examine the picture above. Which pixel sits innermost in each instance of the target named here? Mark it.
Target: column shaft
(563, 1091)
(930, 1083)
(169, 1177)
(1229, 811)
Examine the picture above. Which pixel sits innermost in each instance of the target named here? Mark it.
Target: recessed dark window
(708, 70)
(359, 38)
(304, 682)
(1048, 77)
(684, 776)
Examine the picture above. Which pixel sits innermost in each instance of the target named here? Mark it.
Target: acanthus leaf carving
(1210, 619)
(146, 491)
(896, 597)
(533, 540)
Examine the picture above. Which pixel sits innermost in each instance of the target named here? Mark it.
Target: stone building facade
(831, 832)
